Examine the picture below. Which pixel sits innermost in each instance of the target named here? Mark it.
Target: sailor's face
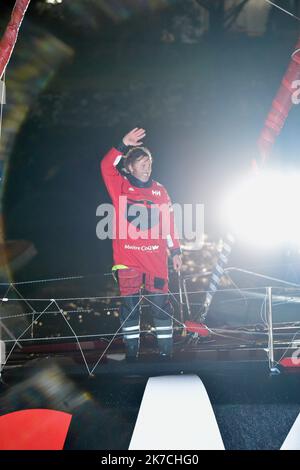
(142, 168)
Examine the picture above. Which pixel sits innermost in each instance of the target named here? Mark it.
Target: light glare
(264, 209)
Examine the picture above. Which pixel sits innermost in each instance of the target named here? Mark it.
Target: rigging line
(287, 348)
(65, 278)
(228, 336)
(246, 332)
(229, 301)
(171, 293)
(23, 333)
(25, 300)
(49, 311)
(237, 287)
(77, 340)
(7, 291)
(120, 327)
(2, 325)
(254, 332)
(105, 297)
(282, 9)
(177, 328)
(171, 316)
(99, 335)
(5, 327)
(263, 311)
(262, 276)
(29, 305)
(35, 281)
(277, 304)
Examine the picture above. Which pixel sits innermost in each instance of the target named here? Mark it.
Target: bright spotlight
(264, 209)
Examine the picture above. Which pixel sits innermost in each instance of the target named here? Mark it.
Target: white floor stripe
(292, 441)
(176, 413)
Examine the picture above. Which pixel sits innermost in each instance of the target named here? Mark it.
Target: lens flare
(264, 209)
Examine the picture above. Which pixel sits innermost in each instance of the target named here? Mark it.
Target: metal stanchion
(187, 299)
(180, 297)
(272, 365)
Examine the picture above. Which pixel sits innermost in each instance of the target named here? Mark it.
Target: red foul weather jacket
(156, 230)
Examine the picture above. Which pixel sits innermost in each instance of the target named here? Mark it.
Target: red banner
(281, 105)
(9, 38)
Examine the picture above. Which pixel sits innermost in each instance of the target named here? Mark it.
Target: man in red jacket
(144, 235)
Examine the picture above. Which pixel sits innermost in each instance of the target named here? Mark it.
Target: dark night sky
(203, 106)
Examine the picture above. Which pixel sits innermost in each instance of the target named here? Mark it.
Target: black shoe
(164, 357)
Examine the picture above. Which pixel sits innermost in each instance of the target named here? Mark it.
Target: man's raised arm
(110, 174)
